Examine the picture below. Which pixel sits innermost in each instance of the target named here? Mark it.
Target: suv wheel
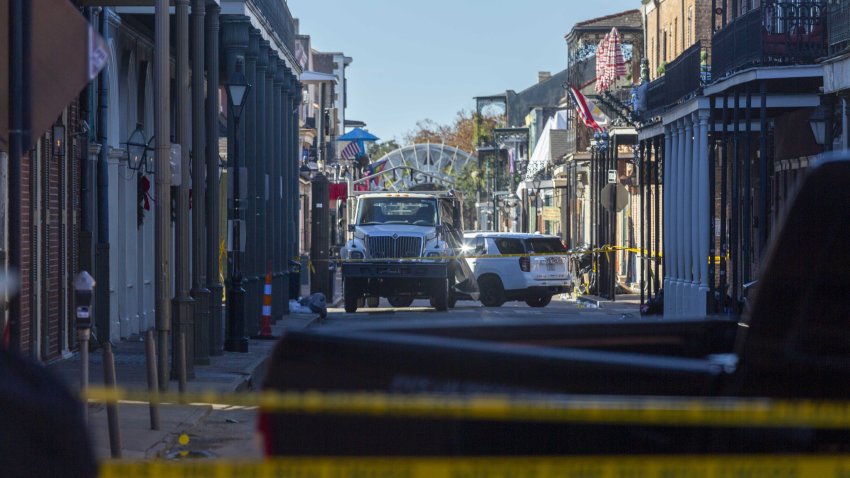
(400, 300)
(351, 295)
(538, 300)
(440, 299)
(373, 301)
(491, 291)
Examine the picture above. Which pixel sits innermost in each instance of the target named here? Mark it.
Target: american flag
(351, 151)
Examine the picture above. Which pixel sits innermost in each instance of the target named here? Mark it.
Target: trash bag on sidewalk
(317, 303)
(312, 304)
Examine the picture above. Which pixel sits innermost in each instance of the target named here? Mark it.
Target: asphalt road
(421, 310)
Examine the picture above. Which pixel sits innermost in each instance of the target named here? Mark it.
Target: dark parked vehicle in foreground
(794, 344)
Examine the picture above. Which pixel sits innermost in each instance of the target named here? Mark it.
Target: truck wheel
(491, 291)
(440, 299)
(372, 301)
(351, 296)
(538, 300)
(400, 300)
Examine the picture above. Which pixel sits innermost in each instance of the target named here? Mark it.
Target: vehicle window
(545, 244)
(509, 246)
(398, 210)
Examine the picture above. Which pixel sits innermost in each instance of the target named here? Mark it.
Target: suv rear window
(545, 244)
(509, 246)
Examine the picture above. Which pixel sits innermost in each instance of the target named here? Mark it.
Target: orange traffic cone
(265, 322)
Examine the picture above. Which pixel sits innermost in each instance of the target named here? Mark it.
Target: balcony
(276, 12)
(776, 33)
(839, 26)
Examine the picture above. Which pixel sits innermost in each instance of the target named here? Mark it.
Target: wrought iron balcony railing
(839, 26)
(276, 12)
(775, 33)
(656, 99)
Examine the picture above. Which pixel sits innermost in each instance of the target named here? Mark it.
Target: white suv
(529, 267)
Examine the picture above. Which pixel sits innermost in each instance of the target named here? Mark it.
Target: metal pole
(236, 340)
(734, 219)
(162, 129)
(199, 292)
(153, 390)
(184, 317)
(111, 408)
(712, 179)
(213, 236)
(83, 336)
(102, 299)
(612, 261)
(643, 191)
(748, 208)
(20, 24)
(764, 188)
(724, 167)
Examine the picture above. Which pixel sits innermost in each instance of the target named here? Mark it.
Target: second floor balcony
(839, 26)
(775, 33)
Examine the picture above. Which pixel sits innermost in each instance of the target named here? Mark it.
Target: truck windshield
(397, 210)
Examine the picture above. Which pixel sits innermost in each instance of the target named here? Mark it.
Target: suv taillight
(525, 264)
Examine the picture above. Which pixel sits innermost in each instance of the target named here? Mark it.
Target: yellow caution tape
(668, 411)
(720, 466)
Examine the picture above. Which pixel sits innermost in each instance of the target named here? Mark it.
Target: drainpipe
(102, 312)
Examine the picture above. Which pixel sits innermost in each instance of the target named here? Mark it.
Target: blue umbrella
(358, 134)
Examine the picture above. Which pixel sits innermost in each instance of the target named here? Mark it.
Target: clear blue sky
(415, 60)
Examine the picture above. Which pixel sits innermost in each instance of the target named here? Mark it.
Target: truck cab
(403, 246)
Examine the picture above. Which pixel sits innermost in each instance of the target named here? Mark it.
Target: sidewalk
(626, 303)
(226, 373)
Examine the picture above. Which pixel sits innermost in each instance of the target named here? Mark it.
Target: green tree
(470, 180)
(377, 150)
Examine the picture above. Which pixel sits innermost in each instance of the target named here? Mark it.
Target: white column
(702, 214)
(676, 218)
(681, 214)
(687, 220)
(667, 181)
(693, 224)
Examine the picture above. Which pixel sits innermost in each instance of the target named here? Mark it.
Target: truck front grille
(388, 247)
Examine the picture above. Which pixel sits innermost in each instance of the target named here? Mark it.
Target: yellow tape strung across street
(669, 411)
(723, 466)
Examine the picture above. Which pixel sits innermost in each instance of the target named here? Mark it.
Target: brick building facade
(672, 26)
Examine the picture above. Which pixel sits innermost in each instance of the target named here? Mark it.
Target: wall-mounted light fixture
(137, 148)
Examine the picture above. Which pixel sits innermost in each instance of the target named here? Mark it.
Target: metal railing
(276, 12)
(684, 74)
(655, 97)
(776, 33)
(839, 26)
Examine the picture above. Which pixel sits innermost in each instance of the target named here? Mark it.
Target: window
(545, 244)
(509, 246)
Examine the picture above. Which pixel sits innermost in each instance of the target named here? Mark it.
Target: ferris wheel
(421, 163)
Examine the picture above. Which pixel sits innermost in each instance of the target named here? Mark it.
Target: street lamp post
(237, 92)
(600, 147)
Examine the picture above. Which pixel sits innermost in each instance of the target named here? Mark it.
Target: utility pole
(162, 148)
